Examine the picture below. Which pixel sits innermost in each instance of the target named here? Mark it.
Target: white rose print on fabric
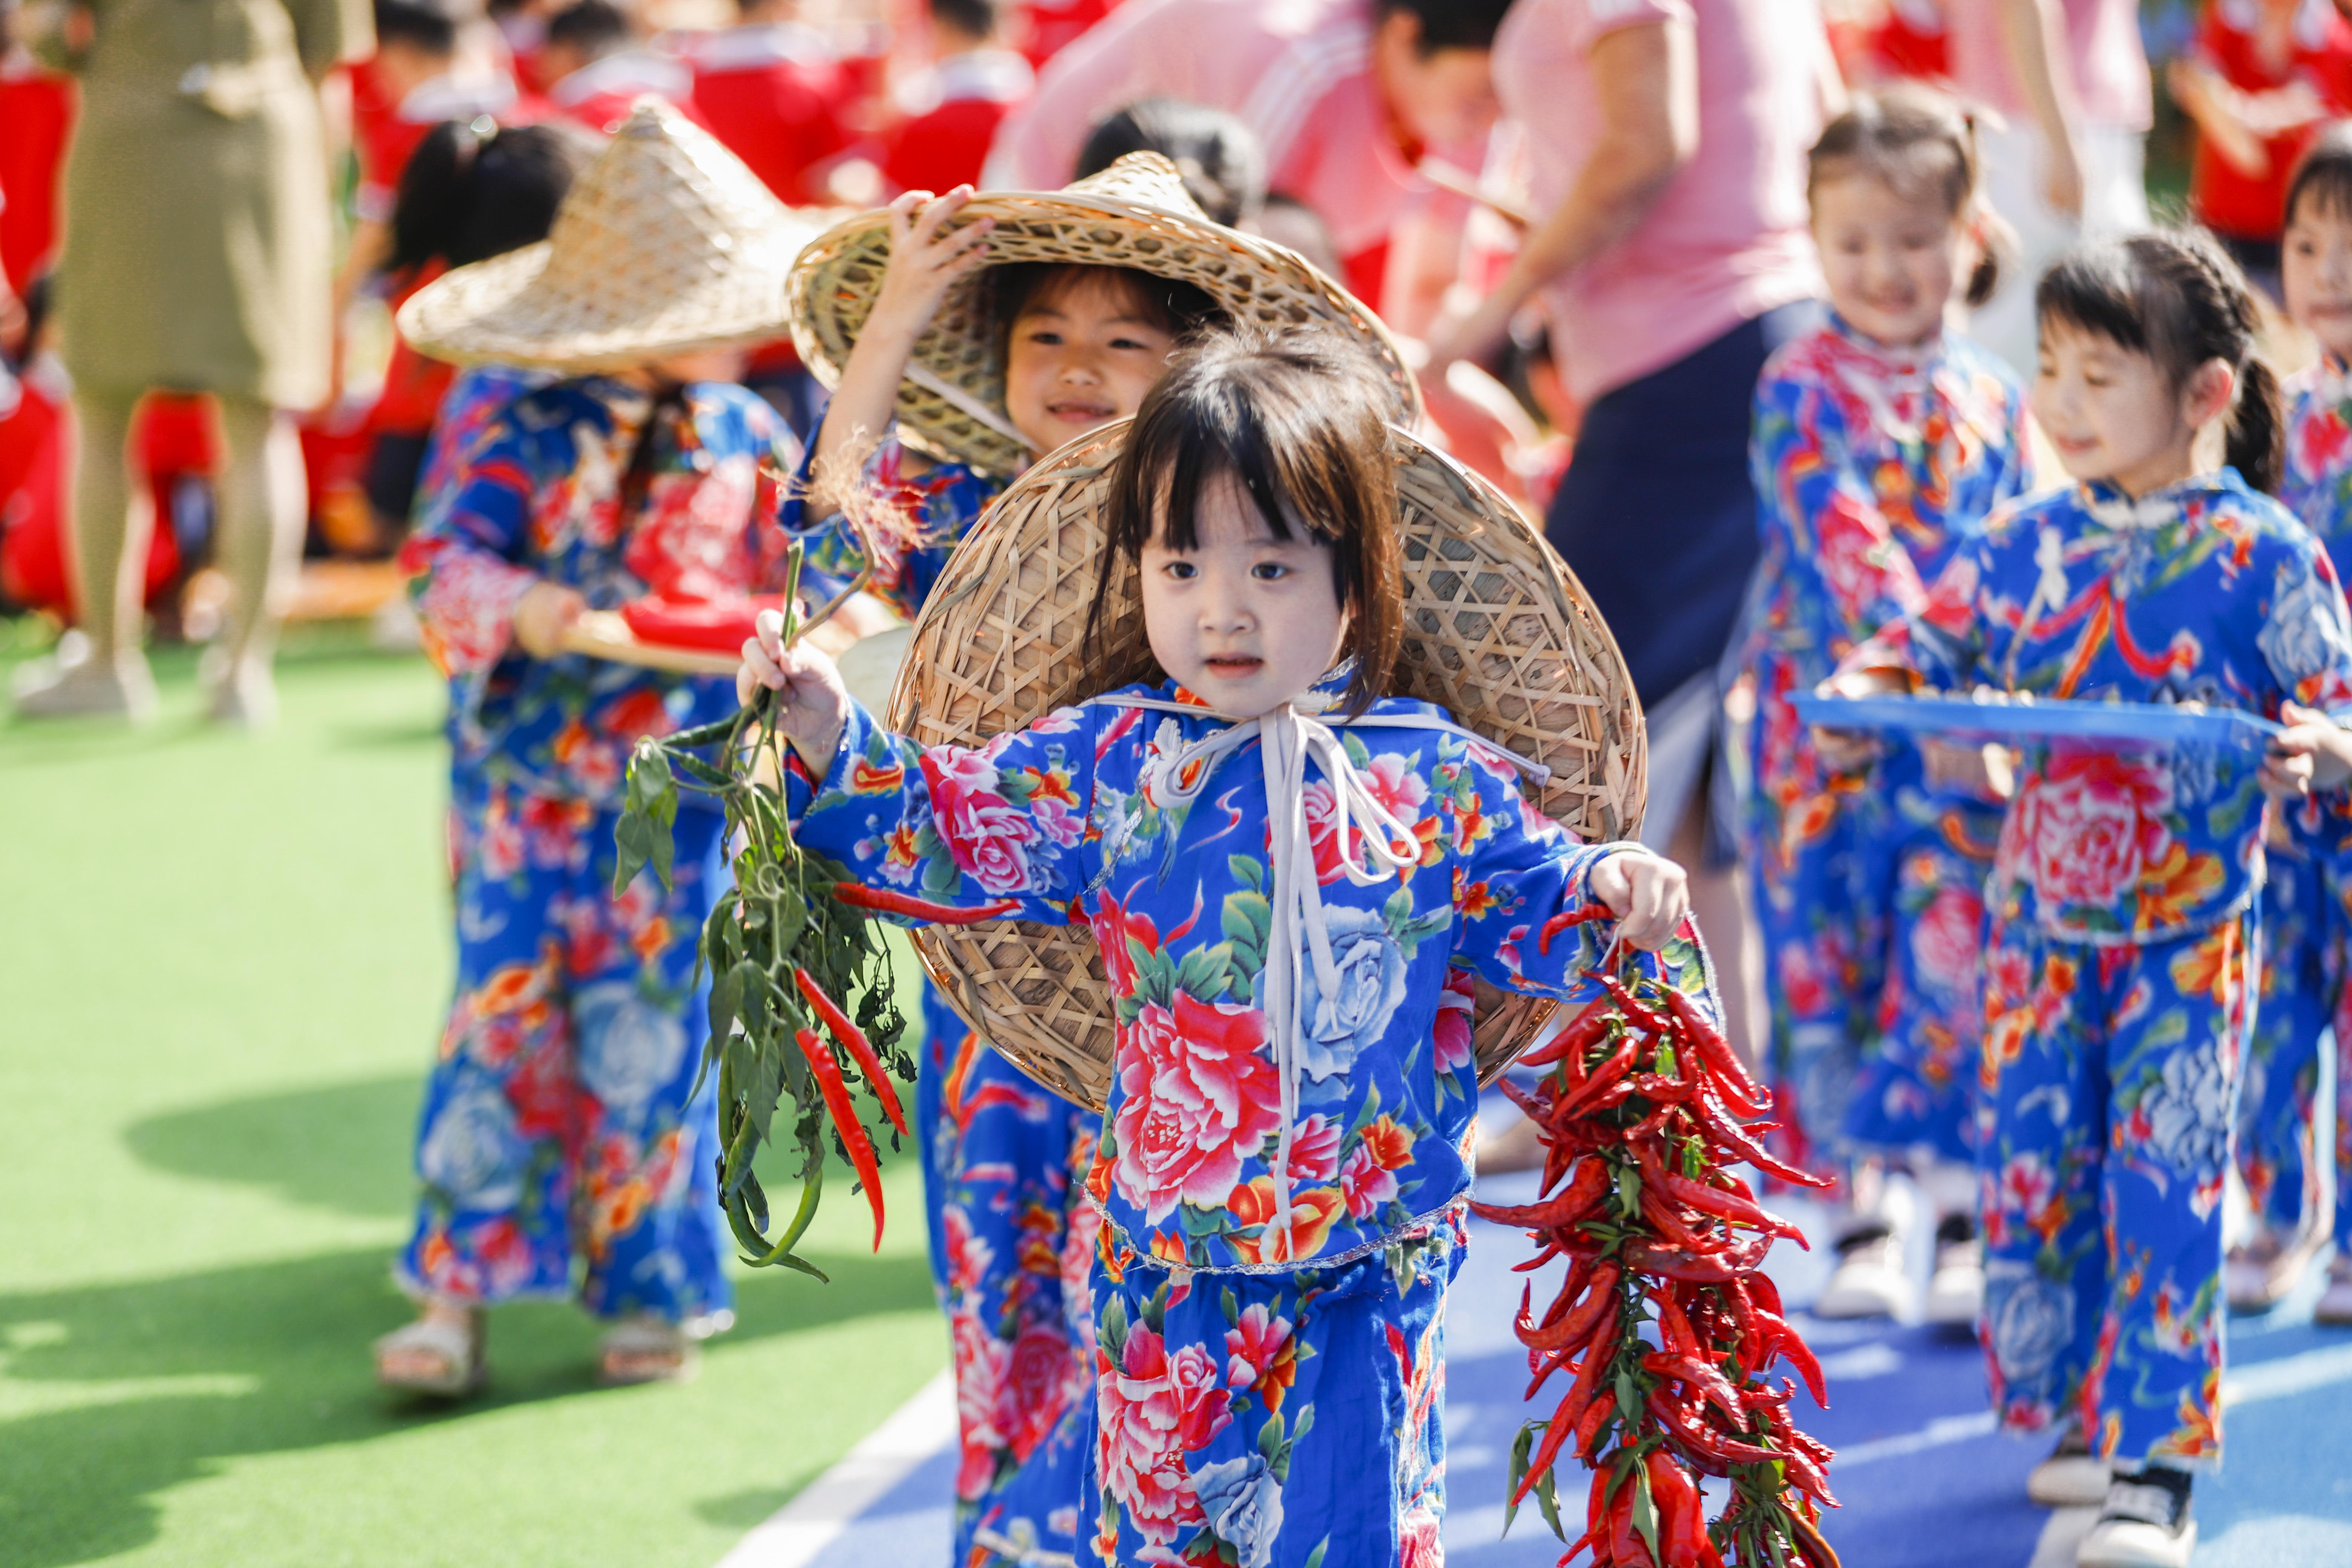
(627, 1048)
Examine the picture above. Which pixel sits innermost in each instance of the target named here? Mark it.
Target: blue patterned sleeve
(915, 514)
(1814, 501)
(957, 825)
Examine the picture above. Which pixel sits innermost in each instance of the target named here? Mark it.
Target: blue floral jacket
(539, 497)
(1082, 818)
(918, 518)
(2203, 592)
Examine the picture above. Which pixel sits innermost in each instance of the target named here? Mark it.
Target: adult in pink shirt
(1665, 142)
(2068, 82)
(1345, 96)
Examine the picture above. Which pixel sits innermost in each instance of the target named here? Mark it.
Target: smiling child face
(1245, 621)
(1082, 354)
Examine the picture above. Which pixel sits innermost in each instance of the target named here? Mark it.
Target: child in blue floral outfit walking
(2118, 979)
(559, 1151)
(1068, 345)
(1289, 874)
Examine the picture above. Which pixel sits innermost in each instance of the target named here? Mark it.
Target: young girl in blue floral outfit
(1004, 1159)
(1285, 871)
(1880, 440)
(558, 1149)
(2122, 896)
(2305, 920)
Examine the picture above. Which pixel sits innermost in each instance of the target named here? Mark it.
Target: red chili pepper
(1809, 1540)
(1716, 1201)
(1701, 1439)
(851, 1036)
(1571, 1042)
(1626, 1548)
(1716, 1051)
(1567, 918)
(1671, 1225)
(1579, 1324)
(857, 895)
(1573, 1403)
(1738, 1140)
(845, 1122)
(1792, 1346)
(1674, 1324)
(1807, 1476)
(1640, 1013)
(1709, 1384)
(1602, 1076)
(1675, 1264)
(1682, 1515)
(1588, 1429)
(1592, 1183)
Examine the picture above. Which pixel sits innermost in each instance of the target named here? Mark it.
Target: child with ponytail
(2122, 898)
(1881, 438)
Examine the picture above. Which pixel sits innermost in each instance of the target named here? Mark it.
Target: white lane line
(793, 1535)
(2288, 1374)
(1944, 1429)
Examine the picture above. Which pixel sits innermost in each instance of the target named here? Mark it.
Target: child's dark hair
(593, 29)
(1451, 23)
(1922, 144)
(430, 26)
(2175, 296)
(973, 18)
(1175, 306)
(1301, 419)
(473, 190)
(1216, 153)
(2324, 174)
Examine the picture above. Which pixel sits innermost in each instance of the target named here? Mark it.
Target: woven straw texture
(1136, 213)
(666, 244)
(1495, 631)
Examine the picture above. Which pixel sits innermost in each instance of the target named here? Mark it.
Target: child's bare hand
(816, 704)
(925, 258)
(1851, 750)
(1649, 896)
(541, 617)
(2315, 752)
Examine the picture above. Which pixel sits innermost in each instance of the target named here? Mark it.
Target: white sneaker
(243, 695)
(1956, 1292)
(2143, 1523)
(2264, 1270)
(1870, 1280)
(90, 687)
(2069, 1477)
(2335, 1305)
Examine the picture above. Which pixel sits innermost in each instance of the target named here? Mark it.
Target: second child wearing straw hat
(560, 1151)
(1292, 875)
(991, 338)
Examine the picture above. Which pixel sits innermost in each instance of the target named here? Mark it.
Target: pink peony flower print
(1365, 1182)
(1454, 1037)
(986, 835)
(1314, 1152)
(1944, 940)
(1254, 1346)
(1196, 1097)
(1040, 1380)
(969, 1253)
(1153, 1408)
(2090, 825)
(982, 1363)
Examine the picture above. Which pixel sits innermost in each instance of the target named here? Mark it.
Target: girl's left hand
(1649, 895)
(815, 707)
(2315, 752)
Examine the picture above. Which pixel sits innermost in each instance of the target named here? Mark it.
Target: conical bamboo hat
(1497, 632)
(666, 244)
(1136, 213)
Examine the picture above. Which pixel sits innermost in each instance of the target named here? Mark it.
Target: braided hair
(2176, 295)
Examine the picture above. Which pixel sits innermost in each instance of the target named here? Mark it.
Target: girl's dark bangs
(2096, 292)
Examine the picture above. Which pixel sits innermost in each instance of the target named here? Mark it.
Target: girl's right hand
(541, 617)
(816, 706)
(924, 261)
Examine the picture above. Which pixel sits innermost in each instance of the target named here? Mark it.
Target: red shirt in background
(955, 109)
(1053, 24)
(775, 94)
(37, 107)
(2255, 207)
(600, 95)
(1911, 45)
(385, 134)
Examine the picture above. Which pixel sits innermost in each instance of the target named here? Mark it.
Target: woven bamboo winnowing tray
(1495, 631)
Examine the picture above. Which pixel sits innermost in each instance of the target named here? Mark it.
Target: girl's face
(2317, 267)
(1246, 621)
(1892, 260)
(1080, 356)
(2112, 414)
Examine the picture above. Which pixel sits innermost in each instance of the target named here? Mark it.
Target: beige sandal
(454, 1349)
(647, 1349)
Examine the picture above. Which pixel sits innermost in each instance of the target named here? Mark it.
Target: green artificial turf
(221, 966)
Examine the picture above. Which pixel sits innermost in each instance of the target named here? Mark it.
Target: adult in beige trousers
(198, 253)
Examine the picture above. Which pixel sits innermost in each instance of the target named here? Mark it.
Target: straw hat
(666, 244)
(1135, 214)
(1496, 632)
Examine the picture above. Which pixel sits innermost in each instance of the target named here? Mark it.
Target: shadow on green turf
(180, 1373)
(344, 1146)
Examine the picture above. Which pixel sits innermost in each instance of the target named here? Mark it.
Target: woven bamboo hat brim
(1496, 632)
(1136, 213)
(666, 244)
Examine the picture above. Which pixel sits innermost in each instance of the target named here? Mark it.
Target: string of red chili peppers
(1663, 1321)
(783, 946)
